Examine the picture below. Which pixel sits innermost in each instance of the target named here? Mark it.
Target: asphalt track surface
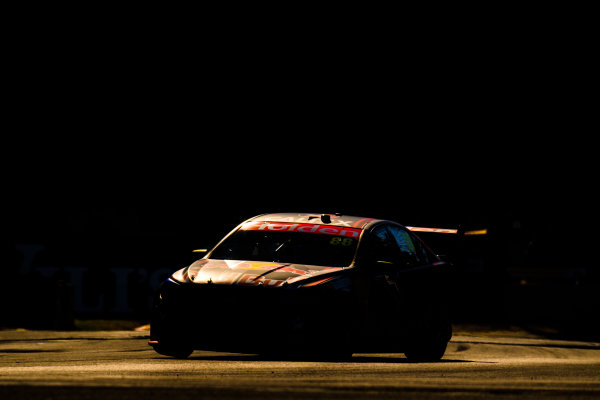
(106, 365)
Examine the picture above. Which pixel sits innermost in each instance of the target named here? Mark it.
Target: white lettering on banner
(342, 222)
(76, 279)
(29, 252)
(83, 287)
(121, 301)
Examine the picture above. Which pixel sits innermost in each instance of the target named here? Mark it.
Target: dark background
(534, 268)
(132, 149)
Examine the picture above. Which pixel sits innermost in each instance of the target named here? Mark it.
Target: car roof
(316, 218)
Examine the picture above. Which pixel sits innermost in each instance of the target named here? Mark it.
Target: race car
(308, 285)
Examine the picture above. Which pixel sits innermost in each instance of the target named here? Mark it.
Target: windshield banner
(306, 228)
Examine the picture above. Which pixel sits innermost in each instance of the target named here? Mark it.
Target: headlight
(181, 276)
(338, 282)
(318, 282)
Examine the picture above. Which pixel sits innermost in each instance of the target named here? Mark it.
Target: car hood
(241, 272)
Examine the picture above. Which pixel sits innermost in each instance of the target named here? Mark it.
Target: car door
(400, 287)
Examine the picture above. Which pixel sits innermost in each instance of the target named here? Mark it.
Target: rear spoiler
(432, 230)
(444, 230)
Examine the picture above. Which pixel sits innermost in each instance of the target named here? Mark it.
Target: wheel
(169, 340)
(430, 347)
(180, 352)
(426, 352)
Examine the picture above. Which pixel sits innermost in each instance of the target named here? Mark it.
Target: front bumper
(249, 319)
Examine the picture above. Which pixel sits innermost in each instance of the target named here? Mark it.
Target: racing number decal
(337, 241)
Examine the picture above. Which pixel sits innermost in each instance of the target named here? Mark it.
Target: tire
(426, 352)
(182, 352)
(430, 347)
(171, 342)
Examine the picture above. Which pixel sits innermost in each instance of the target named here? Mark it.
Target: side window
(395, 245)
(384, 247)
(408, 253)
(411, 246)
(424, 255)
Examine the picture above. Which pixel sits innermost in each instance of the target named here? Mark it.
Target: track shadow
(573, 332)
(357, 358)
(24, 351)
(566, 345)
(401, 360)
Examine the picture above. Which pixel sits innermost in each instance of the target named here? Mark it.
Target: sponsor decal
(262, 266)
(252, 279)
(250, 265)
(335, 220)
(306, 228)
(362, 222)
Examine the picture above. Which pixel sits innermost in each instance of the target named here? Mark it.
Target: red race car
(309, 285)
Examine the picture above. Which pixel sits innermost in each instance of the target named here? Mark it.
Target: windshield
(288, 247)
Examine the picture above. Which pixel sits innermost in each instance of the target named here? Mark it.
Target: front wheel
(167, 338)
